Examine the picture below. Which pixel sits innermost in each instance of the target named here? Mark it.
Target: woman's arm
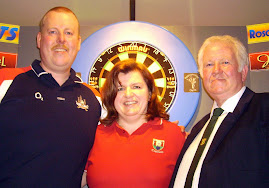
(83, 180)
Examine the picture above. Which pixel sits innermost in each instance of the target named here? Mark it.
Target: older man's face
(221, 78)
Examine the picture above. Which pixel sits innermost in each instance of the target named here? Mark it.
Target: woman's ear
(149, 96)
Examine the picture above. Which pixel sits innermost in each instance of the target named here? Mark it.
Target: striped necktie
(217, 112)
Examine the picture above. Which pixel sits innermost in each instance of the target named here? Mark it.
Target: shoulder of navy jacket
(232, 116)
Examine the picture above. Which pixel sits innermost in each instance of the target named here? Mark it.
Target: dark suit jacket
(239, 154)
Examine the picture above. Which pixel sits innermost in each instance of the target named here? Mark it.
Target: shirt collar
(230, 104)
(39, 71)
(156, 122)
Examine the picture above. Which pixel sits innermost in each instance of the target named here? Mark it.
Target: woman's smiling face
(132, 96)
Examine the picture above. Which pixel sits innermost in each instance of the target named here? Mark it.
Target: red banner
(8, 60)
(259, 61)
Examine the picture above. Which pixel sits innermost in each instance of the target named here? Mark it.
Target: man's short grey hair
(239, 50)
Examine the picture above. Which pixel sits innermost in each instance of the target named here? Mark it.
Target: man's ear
(244, 73)
(79, 43)
(38, 39)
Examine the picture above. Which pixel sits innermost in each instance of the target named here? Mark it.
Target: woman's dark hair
(110, 89)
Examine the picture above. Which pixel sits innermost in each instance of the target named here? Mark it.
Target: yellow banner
(258, 33)
(9, 33)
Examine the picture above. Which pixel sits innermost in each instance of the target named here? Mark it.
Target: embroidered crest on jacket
(82, 103)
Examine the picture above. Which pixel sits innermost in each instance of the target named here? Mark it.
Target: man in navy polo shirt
(48, 117)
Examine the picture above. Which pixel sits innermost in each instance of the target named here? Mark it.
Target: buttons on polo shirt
(60, 99)
(124, 132)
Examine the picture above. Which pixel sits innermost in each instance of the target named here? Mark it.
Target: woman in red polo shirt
(135, 144)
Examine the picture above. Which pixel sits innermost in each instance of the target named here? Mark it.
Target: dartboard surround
(164, 54)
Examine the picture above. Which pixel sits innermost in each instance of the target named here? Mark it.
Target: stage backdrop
(191, 37)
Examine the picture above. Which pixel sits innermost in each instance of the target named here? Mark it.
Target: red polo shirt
(145, 158)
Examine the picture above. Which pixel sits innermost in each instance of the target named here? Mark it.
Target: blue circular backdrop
(185, 103)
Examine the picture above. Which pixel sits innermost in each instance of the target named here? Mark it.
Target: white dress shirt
(228, 106)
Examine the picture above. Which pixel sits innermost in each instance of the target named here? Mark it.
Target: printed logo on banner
(8, 60)
(191, 82)
(258, 33)
(9, 33)
(259, 61)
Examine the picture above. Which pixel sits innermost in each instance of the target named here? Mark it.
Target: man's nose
(61, 38)
(216, 67)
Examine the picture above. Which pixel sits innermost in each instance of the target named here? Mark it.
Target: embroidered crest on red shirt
(158, 145)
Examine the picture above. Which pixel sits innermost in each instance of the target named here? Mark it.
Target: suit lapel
(196, 129)
(229, 121)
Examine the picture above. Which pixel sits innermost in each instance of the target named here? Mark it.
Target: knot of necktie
(217, 111)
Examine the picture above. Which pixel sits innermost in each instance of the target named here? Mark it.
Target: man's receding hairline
(59, 10)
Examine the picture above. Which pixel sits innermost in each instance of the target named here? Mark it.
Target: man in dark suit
(236, 152)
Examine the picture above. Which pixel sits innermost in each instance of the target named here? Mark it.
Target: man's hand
(182, 128)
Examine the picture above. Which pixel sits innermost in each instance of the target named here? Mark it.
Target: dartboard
(156, 61)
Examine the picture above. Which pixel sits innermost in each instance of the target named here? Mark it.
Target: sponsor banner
(8, 60)
(259, 61)
(9, 33)
(258, 33)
